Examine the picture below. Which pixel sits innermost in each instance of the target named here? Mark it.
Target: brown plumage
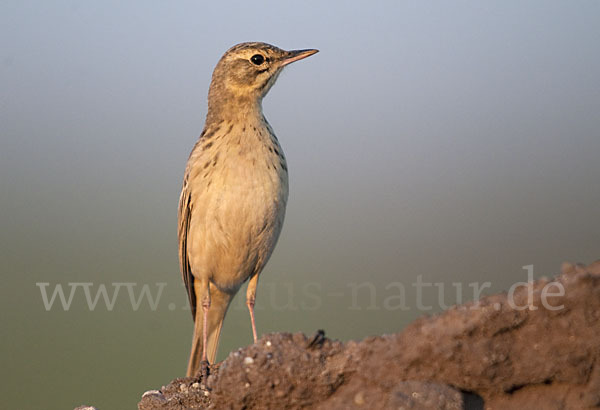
(234, 193)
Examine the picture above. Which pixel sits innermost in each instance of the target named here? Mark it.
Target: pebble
(151, 393)
(248, 360)
(359, 399)
(196, 385)
(151, 396)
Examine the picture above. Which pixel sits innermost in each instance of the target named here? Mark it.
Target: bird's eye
(257, 59)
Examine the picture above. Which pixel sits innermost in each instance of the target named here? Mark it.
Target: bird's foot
(203, 372)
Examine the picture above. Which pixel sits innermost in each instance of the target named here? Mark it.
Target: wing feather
(184, 217)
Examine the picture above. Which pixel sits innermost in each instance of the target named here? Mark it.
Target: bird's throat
(234, 107)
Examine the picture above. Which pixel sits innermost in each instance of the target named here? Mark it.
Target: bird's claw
(203, 371)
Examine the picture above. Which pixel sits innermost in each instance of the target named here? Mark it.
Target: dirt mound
(539, 349)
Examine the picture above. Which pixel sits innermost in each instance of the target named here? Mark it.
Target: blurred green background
(455, 141)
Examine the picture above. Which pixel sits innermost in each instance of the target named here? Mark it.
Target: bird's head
(247, 71)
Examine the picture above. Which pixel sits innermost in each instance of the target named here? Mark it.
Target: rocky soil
(485, 355)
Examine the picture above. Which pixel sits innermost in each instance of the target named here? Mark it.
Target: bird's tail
(216, 314)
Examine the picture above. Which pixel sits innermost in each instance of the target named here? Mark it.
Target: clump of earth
(485, 354)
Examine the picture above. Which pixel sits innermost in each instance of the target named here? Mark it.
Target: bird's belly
(235, 225)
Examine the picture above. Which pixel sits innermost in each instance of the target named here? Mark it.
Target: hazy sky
(456, 140)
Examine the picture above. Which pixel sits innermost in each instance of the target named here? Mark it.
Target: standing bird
(234, 193)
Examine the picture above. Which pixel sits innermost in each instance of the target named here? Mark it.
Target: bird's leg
(204, 362)
(203, 294)
(205, 307)
(250, 299)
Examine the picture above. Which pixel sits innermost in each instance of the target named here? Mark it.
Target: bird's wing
(184, 216)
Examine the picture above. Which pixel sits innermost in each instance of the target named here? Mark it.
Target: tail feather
(216, 314)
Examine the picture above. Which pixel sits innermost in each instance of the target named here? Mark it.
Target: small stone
(182, 387)
(359, 398)
(268, 343)
(247, 385)
(152, 393)
(152, 399)
(196, 385)
(248, 360)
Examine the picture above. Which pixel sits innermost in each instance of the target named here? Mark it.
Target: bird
(234, 193)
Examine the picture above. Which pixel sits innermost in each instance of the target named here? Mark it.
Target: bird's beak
(296, 55)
